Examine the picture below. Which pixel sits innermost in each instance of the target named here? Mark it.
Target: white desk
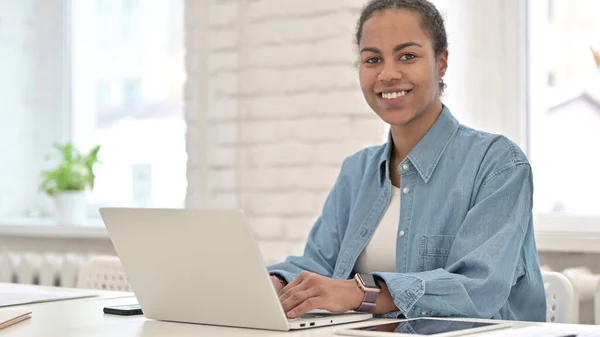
(84, 318)
(100, 294)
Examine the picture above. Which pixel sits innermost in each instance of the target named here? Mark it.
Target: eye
(407, 57)
(373, 60)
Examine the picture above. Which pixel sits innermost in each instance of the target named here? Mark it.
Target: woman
(440, 216)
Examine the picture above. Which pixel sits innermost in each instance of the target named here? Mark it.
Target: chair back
(561, 301)
(104, 273)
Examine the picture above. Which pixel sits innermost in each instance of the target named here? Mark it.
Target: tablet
(432, 327)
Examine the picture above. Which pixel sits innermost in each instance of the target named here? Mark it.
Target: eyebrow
(396, 48)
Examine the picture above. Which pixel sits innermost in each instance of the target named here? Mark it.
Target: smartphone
(125, 310)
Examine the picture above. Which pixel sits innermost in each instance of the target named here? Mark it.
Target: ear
(442, 63)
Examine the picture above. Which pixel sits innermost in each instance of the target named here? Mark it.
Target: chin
(396, 117)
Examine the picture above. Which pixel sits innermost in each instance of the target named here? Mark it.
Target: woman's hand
(312, 291)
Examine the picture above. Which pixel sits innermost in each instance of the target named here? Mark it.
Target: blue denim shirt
(466, 211)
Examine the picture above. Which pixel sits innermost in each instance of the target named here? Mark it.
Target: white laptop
(203, 267)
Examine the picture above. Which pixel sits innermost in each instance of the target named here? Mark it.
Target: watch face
(368, 280)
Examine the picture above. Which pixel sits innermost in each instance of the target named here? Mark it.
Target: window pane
(564, 119)
(127, 80)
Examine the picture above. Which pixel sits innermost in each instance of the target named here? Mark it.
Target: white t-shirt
(380, 253)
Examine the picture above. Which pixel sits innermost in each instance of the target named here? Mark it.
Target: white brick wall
(283, 109)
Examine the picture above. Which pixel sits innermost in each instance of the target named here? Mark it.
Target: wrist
(370, 289)
(358, 295)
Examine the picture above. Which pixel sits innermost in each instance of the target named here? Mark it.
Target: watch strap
(368, 302)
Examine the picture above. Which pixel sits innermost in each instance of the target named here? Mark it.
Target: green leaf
(73, 172)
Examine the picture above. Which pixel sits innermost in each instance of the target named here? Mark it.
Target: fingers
(302, 295)
(304, 281)
(299, 279)
(298, 297)
(298, 284)
(290, 289)
(304, 307)
(292, 295)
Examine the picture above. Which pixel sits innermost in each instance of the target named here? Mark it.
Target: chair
(104, 273)
(561, 300)
(585, 283)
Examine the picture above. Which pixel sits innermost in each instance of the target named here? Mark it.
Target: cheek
(425, 78)
(366, 79)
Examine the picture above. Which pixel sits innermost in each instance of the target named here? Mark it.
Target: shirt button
(406, 190)
(410, 293)
(424, 313)
(401, 234)
(405, 167)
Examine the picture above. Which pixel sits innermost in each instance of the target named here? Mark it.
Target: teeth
(392, 95)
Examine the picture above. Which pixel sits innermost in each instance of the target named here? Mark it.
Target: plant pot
(71, 208)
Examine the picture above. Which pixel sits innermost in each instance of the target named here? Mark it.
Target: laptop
(204, 267)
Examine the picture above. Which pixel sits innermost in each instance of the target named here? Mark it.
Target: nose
(389, 73)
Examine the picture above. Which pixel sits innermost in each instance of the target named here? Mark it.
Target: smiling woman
(401, 73)
(435, 222)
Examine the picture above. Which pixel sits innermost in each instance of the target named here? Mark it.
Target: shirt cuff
(406, 290)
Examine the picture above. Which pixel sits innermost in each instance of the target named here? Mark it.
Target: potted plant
(69, 181)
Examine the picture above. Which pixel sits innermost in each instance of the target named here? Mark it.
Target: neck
(408, 135)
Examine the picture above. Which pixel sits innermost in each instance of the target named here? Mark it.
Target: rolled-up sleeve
(484, 259)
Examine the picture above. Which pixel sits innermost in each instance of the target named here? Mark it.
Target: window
(131, 21)
(138, 82)
(130, 6)
(132, 92)
(70, 75)
(564, 108)
(102, 93)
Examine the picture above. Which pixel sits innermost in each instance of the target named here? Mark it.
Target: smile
(393, 95)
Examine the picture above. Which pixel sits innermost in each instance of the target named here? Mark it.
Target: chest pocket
(434, 251)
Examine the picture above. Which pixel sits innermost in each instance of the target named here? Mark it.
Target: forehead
(393, 26)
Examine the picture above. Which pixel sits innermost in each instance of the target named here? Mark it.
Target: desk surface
(84, 318)
(99, 293)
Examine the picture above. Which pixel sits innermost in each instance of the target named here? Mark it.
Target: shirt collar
(428, 151)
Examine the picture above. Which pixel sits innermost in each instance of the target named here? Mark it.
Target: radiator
(50, 269)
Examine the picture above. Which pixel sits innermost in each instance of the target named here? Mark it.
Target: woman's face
(399, 71)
